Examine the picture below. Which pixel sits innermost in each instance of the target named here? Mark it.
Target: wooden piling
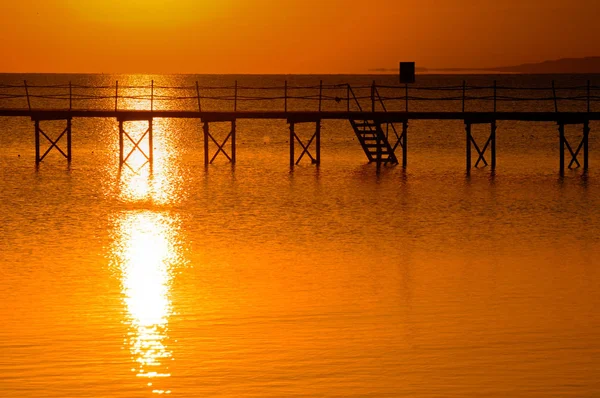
(469, 138)
(121, 144)
(561, 132)
(404, 143)
(318, 142)
(586, 133)
(150, 142)
(233, 131)
(37, 142)
(493, 144)
(116, 95)
(205, 129)
(379, 143)
(292, 138)
(69, 140)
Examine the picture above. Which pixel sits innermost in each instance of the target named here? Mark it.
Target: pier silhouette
(378, 114)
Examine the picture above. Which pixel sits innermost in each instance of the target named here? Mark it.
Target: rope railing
(356, 97)
(440, 88)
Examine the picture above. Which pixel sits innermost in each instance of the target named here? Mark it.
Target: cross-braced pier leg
(54, 143)
(136, 143)
(220, 146)
(489, 143)
(316, 138)
(583, 144)
(401, 141)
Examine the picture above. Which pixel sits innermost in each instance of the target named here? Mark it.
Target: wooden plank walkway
(301, 116)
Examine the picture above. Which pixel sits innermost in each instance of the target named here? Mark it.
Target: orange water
(254, 281)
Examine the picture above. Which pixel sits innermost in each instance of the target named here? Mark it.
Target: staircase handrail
(384, 108)
(350, 91)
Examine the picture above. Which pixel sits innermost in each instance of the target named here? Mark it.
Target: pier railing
(289, 98)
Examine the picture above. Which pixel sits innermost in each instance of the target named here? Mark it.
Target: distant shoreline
(571, 66)
(587, 65)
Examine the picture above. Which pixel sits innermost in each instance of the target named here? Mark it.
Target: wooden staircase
(370, 134)
(374, 141)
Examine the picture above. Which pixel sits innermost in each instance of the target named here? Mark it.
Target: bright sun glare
(146, 253)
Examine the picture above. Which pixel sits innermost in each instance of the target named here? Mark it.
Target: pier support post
(316, 138)
(208, 136)
(150, 143)
(489, 143)
(233, 133)
(292, 139)
(318, 143)
(54, 143)
(378, 149)
(493, 144)
(561, 135)
(401, 140)
(205, 131)
(37, 142)
(121, 144)
(136, 143)
(404, 143)
(469, 139)
(586, 134)
(69, 140)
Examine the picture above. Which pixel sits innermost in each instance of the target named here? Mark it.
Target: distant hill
(563, 65)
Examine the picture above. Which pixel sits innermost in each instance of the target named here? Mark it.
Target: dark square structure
(407, 72)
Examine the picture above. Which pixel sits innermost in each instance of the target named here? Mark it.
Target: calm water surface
(337, 281)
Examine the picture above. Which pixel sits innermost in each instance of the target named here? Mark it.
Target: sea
(256, 279)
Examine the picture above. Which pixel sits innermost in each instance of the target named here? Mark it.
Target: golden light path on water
(139, 181)
(146, 252)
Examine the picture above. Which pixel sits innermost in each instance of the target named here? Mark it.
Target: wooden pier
(380, 122)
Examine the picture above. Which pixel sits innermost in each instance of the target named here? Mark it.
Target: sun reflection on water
(140, 181)
(158, 181)
(147, 253)
(145, 241)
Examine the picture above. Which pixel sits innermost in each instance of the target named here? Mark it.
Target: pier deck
(304, 116)
(375, 113)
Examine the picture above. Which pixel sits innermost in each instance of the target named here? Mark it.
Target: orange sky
(289, 36)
